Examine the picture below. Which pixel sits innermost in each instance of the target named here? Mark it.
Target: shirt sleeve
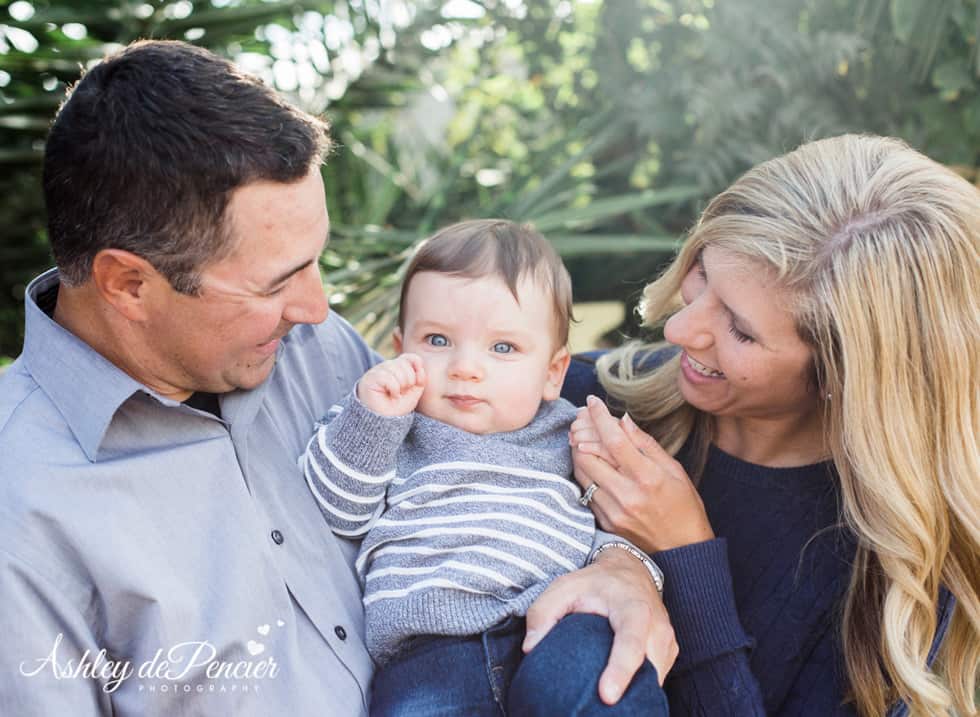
(42, 633)
(349, 463)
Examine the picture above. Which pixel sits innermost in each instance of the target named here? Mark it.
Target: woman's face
(742, 356)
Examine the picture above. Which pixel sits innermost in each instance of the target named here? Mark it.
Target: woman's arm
(714, 673)
(648, 497)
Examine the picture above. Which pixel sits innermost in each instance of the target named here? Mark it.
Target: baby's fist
(393, 388)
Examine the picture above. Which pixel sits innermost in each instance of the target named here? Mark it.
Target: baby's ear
(396, 339)
(556, 374)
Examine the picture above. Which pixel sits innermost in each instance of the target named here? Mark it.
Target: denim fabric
(487, 675)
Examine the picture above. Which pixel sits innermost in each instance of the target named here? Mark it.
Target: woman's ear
(556, 374)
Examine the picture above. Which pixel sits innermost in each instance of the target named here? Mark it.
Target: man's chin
(253, 375)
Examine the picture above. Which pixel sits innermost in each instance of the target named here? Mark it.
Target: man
(160, 552)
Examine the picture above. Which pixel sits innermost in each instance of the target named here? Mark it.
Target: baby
(452, 461)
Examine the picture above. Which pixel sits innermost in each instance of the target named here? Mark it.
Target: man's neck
(80, 311)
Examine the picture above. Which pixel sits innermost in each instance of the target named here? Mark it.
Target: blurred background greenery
(605, 123)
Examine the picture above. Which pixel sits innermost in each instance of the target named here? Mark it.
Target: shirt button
(340, 632)
(277, 537)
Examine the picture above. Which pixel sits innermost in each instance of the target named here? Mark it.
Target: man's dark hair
(146, 150)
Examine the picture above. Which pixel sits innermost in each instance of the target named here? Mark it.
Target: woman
(806, 467)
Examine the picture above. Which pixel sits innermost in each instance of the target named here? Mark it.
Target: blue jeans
(488, 676)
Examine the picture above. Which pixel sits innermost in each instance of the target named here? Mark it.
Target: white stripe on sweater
(471, 531)
(433, 582)
(348, 471)
(491, 468)
(562, 502)
(335, 489)
(453, 564)
(583, 548)
(585, 524)
(500, 555)
(363, 522)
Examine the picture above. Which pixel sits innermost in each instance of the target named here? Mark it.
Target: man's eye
(502, 347)
(436, 340)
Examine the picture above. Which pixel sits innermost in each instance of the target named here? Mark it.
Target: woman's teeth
(701, 368)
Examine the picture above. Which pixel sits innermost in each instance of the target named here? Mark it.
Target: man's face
(226, 338)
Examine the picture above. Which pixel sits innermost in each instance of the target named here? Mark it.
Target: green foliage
(558, 117)
(43, 47)
(607, 124)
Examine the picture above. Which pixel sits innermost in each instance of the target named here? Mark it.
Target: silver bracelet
(656, 574)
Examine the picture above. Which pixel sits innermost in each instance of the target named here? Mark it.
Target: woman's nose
(689, 327)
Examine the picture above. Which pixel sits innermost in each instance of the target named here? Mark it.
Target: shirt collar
(85, 386)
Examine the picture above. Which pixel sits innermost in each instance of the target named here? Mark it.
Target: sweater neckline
(814, 474)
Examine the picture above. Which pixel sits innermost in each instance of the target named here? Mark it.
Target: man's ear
(396, 339)
(556, 374)
(124, 280)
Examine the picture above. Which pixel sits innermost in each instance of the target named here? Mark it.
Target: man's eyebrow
(736, 318)
(286, 274)
(299, 267)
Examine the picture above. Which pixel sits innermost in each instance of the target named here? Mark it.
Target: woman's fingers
(591, 468)
(645, 443)
(613, 437)
(594, 448)
(613, 491)
(623, 440)
(644, 494)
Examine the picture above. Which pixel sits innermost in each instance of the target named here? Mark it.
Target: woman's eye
(502, 347)
(436, 340)
(740, 336)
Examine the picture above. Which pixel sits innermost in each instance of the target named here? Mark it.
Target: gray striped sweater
(459, 530)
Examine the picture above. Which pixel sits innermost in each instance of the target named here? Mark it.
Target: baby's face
(489, 360)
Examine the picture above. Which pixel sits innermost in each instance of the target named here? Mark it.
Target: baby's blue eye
(502, 347)
(436, 340)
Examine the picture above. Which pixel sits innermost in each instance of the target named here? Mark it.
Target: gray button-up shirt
(177, 556)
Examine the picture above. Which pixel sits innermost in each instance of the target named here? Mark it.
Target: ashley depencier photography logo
(192, 666)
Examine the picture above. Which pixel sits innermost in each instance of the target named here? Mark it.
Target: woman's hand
(643, 494)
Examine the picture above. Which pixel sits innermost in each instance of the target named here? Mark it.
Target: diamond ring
(587, 496)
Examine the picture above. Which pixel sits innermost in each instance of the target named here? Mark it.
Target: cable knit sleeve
(713, 676)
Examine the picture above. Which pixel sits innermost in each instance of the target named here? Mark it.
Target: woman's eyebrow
(735, 316)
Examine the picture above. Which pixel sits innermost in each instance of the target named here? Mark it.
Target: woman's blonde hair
(880, 248)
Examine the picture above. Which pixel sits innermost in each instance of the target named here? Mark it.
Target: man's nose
(307, 301)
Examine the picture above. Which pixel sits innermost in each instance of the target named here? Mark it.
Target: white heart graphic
(255, 648)
(263, 629)
(279, 623)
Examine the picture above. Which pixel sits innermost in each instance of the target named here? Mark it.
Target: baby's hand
(393, 388)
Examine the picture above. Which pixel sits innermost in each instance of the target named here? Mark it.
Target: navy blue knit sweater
(757, 610)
